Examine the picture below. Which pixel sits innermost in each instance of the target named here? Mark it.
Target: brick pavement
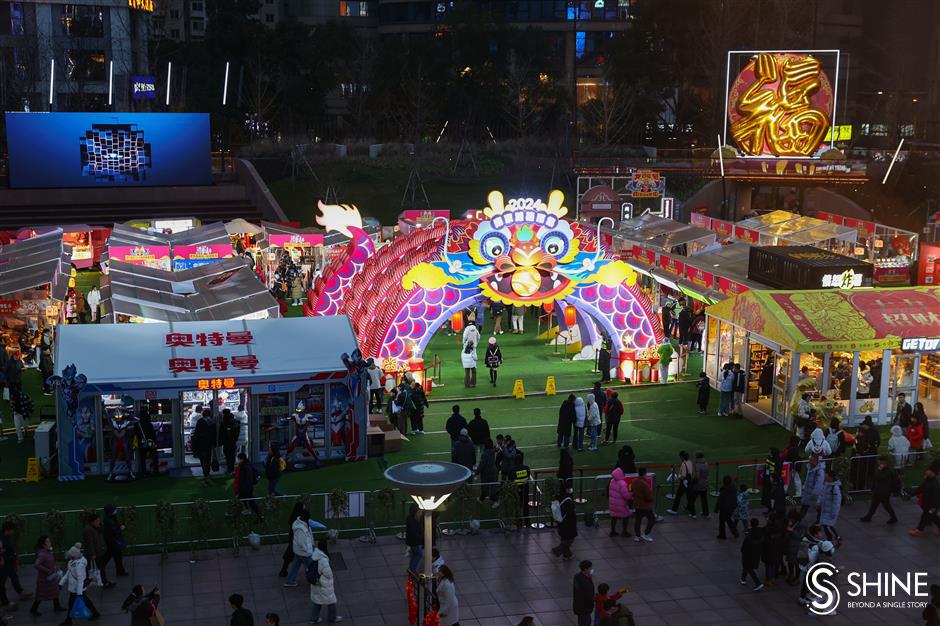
(686, 577)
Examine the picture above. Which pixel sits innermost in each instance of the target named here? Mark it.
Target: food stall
(893, 251)
(663, 235)
(176, 251)
(860, 348)
(225, 290)
(303, 246)
(806, 267)
(34, 277)
(288, 374)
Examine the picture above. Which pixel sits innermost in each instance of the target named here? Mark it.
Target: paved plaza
(685, 577)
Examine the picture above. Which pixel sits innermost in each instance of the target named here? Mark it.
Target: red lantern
(571, 315)
(456, 321)
(549, 306)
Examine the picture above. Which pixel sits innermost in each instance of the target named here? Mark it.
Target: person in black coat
(685, 324)
(884, 483)
(775, 544)
(464, 452)
(582, 601)
(599, 397)
(148, 444)
(704, 391)
(489, 477)
(493, 359)
(765, 379)
(603, 364)
(272, 468)
(245, 482)
(229, 430)
(113, 531)
(455, 423)
(626, 460)
(565, 469)
(414, 537)
(420, 401)
(479, 430)
(566, 419)
(614, 411)
(567, 527)
(751, 550)
(725, 506)
(240, 615)
(202, 442)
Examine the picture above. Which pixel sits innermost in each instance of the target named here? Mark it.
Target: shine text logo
(820, 579)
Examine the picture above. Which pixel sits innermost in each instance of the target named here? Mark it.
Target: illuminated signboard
(840, 133)
(780, 103)
(215, 383)
(143, 87)
(141, 5)
(846, 280)
(646, 184)
(920, 344)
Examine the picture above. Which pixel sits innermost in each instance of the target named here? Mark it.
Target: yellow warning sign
(550, 386)
(518, 389)
(32, 470)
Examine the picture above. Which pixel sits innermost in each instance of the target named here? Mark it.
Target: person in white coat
(468, 358)
(472, 334)
(899, 446)
(94, 299)
(302, 546)
(323, 593)
(818, 445)
(813, 485)
(594, 420)
(449, 608)
(75, 581)
(580, 418)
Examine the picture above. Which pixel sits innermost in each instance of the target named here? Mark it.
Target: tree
(609, 117)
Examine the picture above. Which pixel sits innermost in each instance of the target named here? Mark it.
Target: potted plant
(55, 522)
(236, 513)
(166, 525)
(200, 519)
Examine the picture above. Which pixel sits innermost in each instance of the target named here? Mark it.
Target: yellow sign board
(518, 389)
(840, 133)
(550, 386)
(141, 5)
(32, 470)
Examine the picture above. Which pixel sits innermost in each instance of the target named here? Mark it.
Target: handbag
(215, 461)
(157, 618)
(80, 610)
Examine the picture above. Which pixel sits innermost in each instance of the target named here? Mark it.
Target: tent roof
(239, 226)
(124, 235)
(660, 232)
(223, 290)
(836, 319)
(138, 353)
(41, 260)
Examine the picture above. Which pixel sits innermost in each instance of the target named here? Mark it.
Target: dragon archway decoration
(521, 252)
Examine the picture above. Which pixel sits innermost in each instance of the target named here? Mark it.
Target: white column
(853, 388)
(883, 400)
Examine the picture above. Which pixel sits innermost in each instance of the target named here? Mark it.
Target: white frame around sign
(835, 95)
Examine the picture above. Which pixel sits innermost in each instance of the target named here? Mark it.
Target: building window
(353, 8)
(174, 14)
(269, 1)
(82, 20)
(197, 26)
(197, 7)
(17, 27)
(269, 18)
(174, 33)
(84, 65)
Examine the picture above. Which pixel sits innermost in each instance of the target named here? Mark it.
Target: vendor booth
(289, 375)
(663, 235)
(184, 250)
(34, 279)
(303, 247)
(226, 290)
(860, 348)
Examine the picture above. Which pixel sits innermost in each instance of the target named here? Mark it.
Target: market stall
(176, 251)
(226, 290)
(34, 277)
(663, 235)
(288, 375)
(303, 247)
(860, 348)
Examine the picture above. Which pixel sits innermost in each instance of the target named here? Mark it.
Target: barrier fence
(202, 524)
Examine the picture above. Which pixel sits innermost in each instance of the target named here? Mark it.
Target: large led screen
(108, 149)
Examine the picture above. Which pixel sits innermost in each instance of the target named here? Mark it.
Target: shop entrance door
(163, 416)
(903, 379)
(191, 406)
(781, 403)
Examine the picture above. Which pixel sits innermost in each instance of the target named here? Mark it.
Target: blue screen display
(108, 149)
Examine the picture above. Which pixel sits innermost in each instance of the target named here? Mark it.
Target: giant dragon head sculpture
(524, 253)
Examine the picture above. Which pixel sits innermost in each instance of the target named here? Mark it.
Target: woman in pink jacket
(619, 505)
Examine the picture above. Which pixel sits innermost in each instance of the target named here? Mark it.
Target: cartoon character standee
(303, 424)
(122, 428)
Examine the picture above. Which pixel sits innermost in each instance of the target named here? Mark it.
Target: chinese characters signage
(183, 363)
(699, 277)
(748, 235)
(646, 184)
(157, 257)
(9, 307)
(780, 104)
(672, 265)
(846, 280)
(143, 87)
(729, 287)
(643, 255)
(295, 240)
(186, 257)
(141, 5)
(215, 383)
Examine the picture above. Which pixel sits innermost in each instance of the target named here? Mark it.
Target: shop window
(174, 14)
(198, 26)
(310, 415)
(85, 65)
(17, 24)
(269, 18)
(79, 20)
(711, 351)
(274, 413)
(353, 8)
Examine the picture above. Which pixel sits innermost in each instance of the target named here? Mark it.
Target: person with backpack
(564, 514)
(301, 546)
(884, 483)
(835, 437)
(419, 401)
(274, 465)
(614, 411)
(245, 478)
(618, 496)
(829, 506)
(643, 504)
(725, 506)
(683, 474)
(493, 358)
(751, 550)
(698, 486)
(818, 445)
(322, 591)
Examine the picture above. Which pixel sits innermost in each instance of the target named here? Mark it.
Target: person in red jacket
(601, 597)
(915, 434)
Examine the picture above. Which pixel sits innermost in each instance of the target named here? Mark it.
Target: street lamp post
(428, 483)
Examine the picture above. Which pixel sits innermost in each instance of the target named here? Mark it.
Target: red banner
(832, 218)
(723, 228)
(424, 216)
(928, 269)
(729, 287)
(644, 256)
(9, 307)
(700, 220)
(699, 277)
(864, 227)
(671, 264)
(296, 240)
(748, 235)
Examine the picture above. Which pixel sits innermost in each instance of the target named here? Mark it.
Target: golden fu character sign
(780, 104)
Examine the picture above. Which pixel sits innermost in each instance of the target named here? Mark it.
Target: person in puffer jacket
(899, 446)
(619, 502)
(813, 485)
(818, 444)
(302, 546)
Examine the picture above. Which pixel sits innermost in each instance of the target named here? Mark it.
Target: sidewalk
(686, 577)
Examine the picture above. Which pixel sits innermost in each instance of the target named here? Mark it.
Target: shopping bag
(79, 610)
(157, 618)
(94, 577)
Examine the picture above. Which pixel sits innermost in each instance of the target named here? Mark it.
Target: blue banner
(50, 150)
